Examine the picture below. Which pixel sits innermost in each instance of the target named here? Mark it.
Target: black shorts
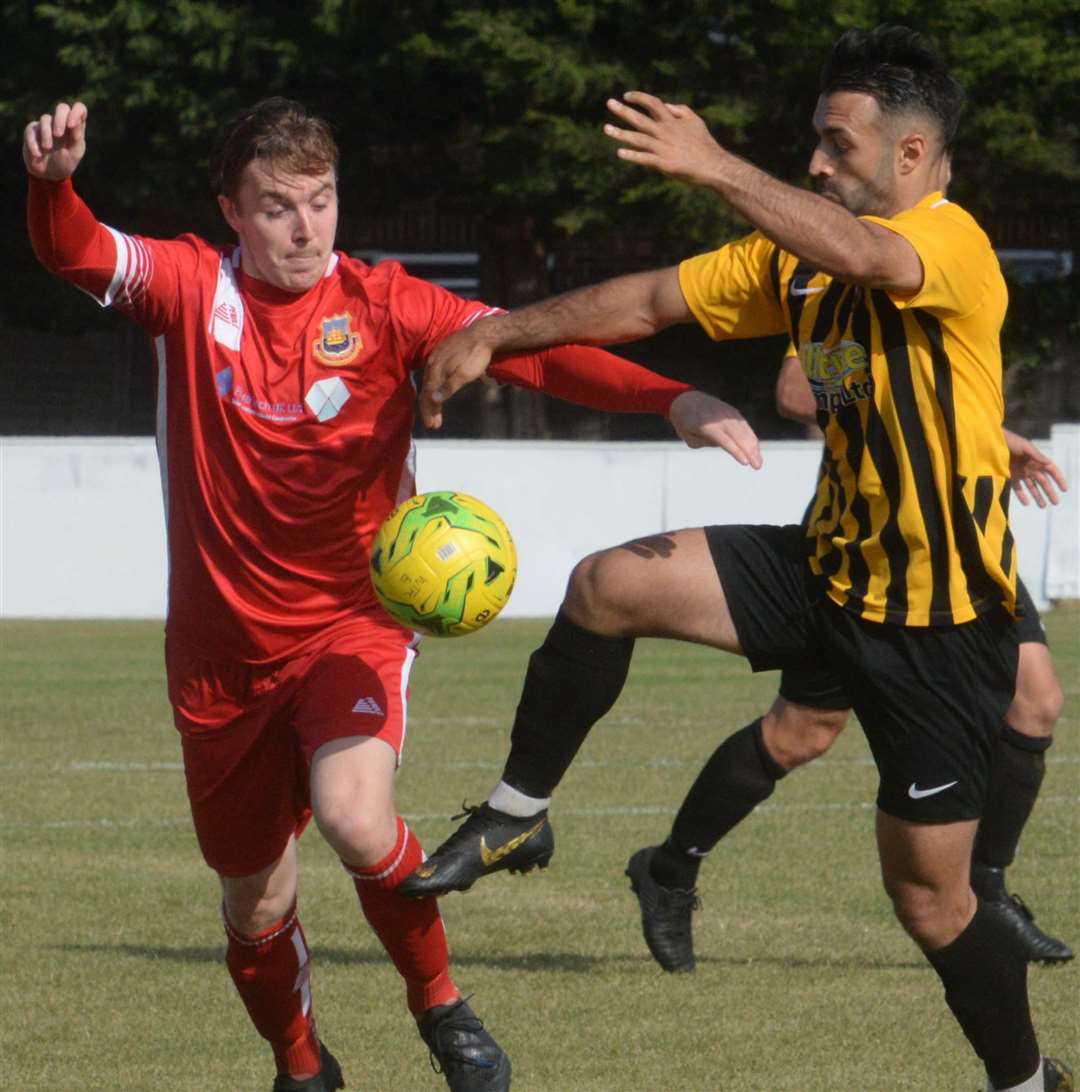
(930, 699)
(1029, 627)
(819, 687)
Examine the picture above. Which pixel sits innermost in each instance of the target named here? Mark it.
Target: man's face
(854, 162)
(286, 224)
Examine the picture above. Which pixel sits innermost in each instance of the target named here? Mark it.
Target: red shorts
(249, 732)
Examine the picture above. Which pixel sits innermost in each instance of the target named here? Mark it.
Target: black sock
(988, 883)
(672, 867)
(985, 982)
(1017, 766)
(573, 679)
(740, 775)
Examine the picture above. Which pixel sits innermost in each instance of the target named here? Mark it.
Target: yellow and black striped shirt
(909, 523)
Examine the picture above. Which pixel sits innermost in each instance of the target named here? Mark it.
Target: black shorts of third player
(930, 699)
(1029, 627)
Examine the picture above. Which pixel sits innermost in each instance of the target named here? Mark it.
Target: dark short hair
(900, 69)
(278, 131)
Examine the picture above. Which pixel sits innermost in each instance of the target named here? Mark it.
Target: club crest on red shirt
(338, 345)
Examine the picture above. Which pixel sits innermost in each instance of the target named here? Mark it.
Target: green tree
(497, 106)
(493, 110)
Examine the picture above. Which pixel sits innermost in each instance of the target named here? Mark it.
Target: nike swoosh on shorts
(917, 794)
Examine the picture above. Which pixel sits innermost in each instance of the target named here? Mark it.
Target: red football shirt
(284, 421)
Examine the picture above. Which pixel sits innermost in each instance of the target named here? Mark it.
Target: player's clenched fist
(457, 360)
(55, 143)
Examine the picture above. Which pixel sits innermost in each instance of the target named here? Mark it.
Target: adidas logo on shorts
(369, 706)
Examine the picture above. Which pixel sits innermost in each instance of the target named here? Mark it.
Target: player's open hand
(670, 139)
(1033, 474)
(55, 143)
(455, 362)
(704, 421)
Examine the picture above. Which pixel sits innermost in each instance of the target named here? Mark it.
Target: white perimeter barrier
(82, 533)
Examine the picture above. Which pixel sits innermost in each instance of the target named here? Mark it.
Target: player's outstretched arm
(614, 311)
(704, 421)
(54, 145)
(67, 238)
(1034, 475)
(675, 141)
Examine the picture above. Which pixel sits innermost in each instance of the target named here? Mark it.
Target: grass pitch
(111, 972)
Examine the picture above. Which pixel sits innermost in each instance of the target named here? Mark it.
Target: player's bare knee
(916, 907)
(821, 730)
(1036, 712)
(253, 908)
(797, 734)
(359, 835)
(596, 595)
(932, 916)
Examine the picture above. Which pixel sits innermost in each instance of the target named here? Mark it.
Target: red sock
(272, 973)
(411, 930)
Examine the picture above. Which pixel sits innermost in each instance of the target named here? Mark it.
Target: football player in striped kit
(804, 722)
(901, 583)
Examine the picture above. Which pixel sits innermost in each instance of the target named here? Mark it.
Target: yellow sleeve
(959, 265)
(730, 291)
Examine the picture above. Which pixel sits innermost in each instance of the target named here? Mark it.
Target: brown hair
(279, 132)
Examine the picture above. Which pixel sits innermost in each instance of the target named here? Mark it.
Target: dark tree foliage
(487, 115)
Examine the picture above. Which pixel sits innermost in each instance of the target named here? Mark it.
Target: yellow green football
(443, 563)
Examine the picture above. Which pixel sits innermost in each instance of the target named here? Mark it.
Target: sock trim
(272, 932)
(585, 645)
(396, 854)
(1034, 744)
(512, 801)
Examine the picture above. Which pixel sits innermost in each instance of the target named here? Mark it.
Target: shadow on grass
(153, 953)
(563, 962)
(575, 962)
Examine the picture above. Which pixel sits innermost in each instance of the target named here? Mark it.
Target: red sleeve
(66, 235)
(145, 278)
(591, 377)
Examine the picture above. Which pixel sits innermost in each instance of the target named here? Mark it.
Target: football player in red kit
(284, 419)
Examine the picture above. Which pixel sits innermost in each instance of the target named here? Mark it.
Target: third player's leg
(739, 775)
(1039, 700)
(795, 734)
(1016, 774)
